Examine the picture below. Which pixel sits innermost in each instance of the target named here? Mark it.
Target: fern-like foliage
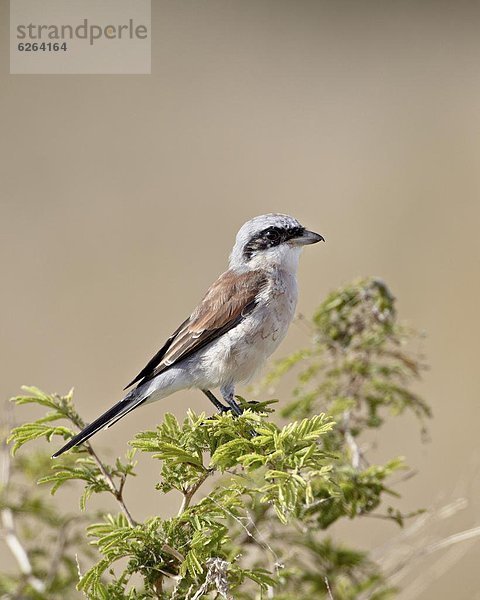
(254, 495)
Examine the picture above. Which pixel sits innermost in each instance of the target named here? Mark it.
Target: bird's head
(270, 241)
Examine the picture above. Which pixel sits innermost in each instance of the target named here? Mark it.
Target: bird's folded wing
(224, 306)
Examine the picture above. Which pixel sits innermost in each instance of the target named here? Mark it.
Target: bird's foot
(224, 409)
(229, 397)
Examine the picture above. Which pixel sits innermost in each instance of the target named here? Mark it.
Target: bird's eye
(272, 235)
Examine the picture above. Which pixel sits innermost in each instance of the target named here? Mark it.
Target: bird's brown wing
(224, 306)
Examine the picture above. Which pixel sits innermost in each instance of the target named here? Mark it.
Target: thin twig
(408, 475)
(261, 543)
(187, 498)
(373, 515)
(175, 553)
(190, 492)
(462, 536)
(395, 571)
(19, 552)
(329, 591)
(117, 493)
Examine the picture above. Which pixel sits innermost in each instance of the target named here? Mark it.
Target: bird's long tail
(111, 416)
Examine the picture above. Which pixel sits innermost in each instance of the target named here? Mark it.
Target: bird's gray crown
(261, 233)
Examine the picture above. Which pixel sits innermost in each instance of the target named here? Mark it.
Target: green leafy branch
(269, 490)
(98, 476)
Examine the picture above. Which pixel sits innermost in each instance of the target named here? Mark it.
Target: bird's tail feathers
(111, 416)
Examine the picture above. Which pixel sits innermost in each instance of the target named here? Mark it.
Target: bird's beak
(309, 237)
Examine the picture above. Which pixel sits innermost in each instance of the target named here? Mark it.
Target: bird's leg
(218, 405)
(227, 392)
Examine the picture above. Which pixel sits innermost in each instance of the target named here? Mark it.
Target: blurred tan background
(121, 196)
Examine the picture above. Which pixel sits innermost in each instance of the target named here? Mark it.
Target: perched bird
(241, 320)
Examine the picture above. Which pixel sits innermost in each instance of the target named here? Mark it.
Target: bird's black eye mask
(270, 237)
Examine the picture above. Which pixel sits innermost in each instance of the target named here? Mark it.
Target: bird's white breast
(237, 355)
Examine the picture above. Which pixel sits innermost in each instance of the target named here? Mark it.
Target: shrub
(256, 495)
